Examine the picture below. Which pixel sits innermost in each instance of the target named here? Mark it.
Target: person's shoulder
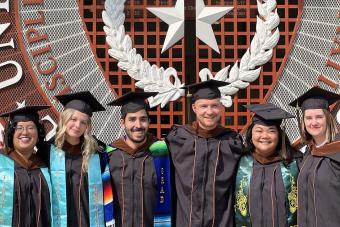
(337, 137)
(179, 131)
(176, 128)
(229, 133)
(296, 154)
(101, 148)
(5, 158)
(2, 152)
(297, 157)
(235, 142)
(51, 140)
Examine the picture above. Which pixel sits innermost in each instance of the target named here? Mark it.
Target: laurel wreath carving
(165, 81)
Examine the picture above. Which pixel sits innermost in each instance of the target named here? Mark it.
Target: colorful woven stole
(161, 159)
(58, 179)
(107, 189)
(289, 175)
(7, 190)
(163, 212)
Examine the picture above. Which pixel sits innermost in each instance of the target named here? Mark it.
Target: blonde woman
(319, 178)
(75, 165)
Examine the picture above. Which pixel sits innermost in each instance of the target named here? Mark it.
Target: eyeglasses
(20, 128)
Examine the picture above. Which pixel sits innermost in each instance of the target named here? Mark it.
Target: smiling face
(76, 126)
(25, 136)
(136, 126)
(265, 139)
(315, 124)
(208, 112)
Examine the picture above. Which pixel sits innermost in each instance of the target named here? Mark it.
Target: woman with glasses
(24, 177)
(319, 179)
(266, 180)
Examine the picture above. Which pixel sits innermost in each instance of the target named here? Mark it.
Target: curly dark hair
(9, 133)
(283, 148)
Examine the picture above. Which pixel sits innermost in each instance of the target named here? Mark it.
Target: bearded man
(140, 168)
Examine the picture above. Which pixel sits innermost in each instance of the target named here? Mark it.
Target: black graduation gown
(134, 184)
(205, 163)
(32, 206)
(77, 190)
(319, 187)
(267, 195)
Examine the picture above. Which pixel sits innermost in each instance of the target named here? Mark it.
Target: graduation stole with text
(161, 158)
(289, 176)
(58, 179)
(7, 190)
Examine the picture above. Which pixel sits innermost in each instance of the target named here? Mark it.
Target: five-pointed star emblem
(174, 17)
(205, 17)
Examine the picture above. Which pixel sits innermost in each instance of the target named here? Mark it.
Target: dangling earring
(35, 150)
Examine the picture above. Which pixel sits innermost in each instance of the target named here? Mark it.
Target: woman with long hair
(24, 177)
(319, 179)
(75, 165)
(266, 178)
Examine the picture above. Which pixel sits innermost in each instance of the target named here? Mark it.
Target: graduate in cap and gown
(24, 177)
(140, 168)
(319, 178)
(205, 157)
(266, 180)
(75, 168)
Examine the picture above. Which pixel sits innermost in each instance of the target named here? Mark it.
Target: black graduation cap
(25, 113)
(83, 101)
(205, 90)
(132, 102)
(315, 98)
(268, 114)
